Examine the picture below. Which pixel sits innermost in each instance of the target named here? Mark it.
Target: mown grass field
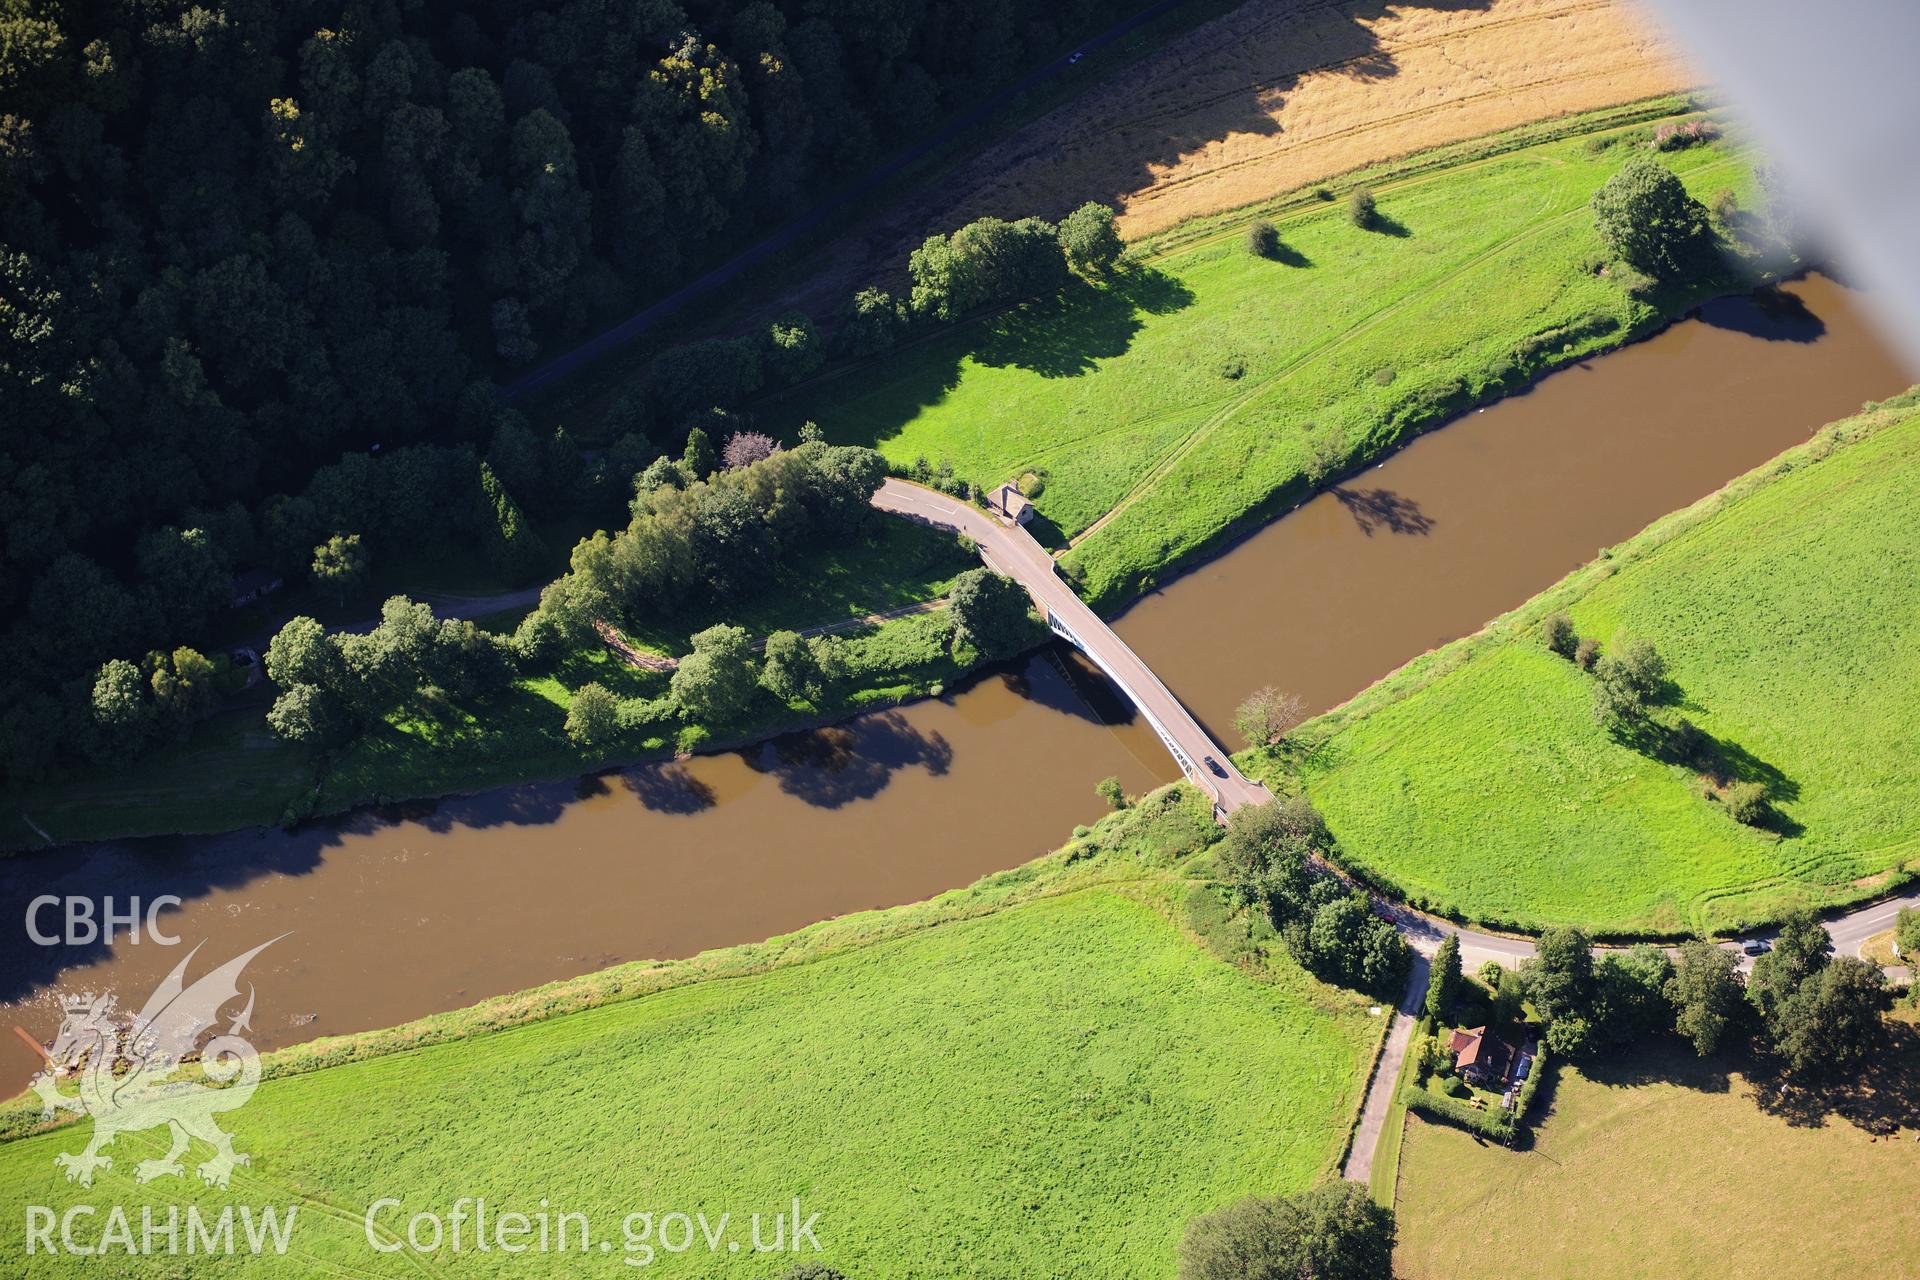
(1194, 391)
(1476, 780)
(1045, 1074)
(1664, 1167)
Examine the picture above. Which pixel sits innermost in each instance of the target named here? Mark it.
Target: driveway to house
(1424, 933)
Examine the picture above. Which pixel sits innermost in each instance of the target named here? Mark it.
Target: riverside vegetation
(1200, 387)
(240, 242)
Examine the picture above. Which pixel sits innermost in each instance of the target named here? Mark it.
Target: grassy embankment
(1046, 1072)
(1476, 781)
(1663, 1165)
(1198, 392)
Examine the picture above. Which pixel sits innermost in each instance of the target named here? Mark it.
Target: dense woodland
(240, 241)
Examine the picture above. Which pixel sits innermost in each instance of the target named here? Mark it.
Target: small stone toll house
(1008, 501)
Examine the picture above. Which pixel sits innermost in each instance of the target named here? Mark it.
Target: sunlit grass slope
(1477, 780)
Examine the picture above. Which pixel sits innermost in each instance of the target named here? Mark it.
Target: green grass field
(1662, 1167)
(1190, 394)
(1044, 1074)
(1476, 780)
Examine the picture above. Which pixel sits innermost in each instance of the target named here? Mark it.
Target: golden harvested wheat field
(1272, 96)
(1276, 95)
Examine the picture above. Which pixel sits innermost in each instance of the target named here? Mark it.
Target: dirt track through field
(1275, 95)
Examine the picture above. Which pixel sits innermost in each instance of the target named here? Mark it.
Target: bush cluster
(1275, 855)
(1679, 135)
(716, 536)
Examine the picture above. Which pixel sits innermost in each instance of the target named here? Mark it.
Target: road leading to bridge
(1011, 550)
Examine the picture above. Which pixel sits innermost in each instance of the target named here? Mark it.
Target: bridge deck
(1011, 550)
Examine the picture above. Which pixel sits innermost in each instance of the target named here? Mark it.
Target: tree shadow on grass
(1062, 336)
(1720, 761)
(1879, 1096)
(1387, 225)
(1663, 1061)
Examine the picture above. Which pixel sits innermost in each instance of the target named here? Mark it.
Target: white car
(1756, 946)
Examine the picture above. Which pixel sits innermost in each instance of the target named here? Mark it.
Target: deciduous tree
(793, 348)
(1832, 1020)
(1333, 1232)
(1362, 210)
(1705, 994)
(593, 715)
(1648, 220)
(1799, 951)
(121, 708)
(340, 565)
(715, 683)
(1559, 977)
(307, 715)
(792, 671)
(1630, 995)
(1089, 238)
(991, 612)
(1906, 934)
(1267, 714)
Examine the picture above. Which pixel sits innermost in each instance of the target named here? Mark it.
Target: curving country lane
(1423, 933)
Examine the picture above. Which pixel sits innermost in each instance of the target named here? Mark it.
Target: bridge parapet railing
(1187, 765)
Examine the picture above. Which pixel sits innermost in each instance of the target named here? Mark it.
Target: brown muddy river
(1465, 523)
(398, 914)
